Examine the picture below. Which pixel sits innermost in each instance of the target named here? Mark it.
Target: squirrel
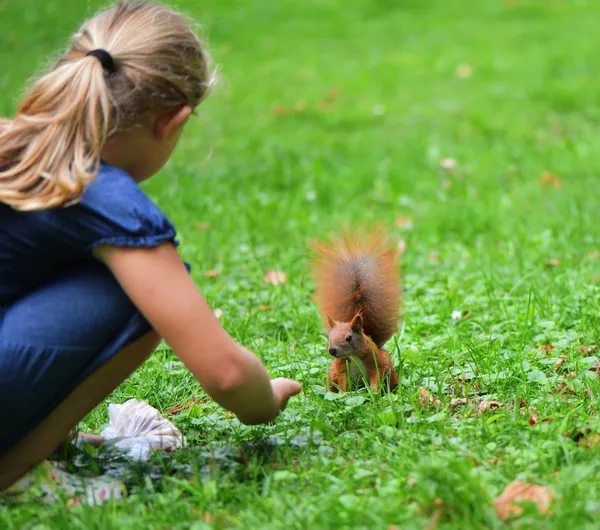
(359, 296)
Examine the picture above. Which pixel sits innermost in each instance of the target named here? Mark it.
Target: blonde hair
(51, 150)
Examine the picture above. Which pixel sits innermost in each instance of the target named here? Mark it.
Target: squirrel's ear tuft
(330, 321)
(357, 323)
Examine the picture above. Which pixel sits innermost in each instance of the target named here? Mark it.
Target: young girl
(90, 279)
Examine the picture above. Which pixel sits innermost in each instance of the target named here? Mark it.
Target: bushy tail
(359, 273)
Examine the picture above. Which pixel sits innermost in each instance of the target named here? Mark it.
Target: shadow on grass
(243, 462)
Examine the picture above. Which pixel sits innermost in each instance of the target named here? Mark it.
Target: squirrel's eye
(348, 338)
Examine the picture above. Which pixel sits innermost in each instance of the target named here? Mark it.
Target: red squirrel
(359, 296)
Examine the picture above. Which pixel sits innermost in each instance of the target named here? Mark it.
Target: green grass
(480, 243)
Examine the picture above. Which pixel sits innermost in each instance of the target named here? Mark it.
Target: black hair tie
(105, 58)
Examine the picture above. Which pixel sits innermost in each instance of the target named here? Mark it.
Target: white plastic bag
(142, 430)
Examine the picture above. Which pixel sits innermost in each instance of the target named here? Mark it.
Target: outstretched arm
(157, 282)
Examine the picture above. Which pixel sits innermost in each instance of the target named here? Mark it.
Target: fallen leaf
(448, 164)
(203, 225)
(275, 277)
(212, 273)
(558, 364)
(404, 223)
(265, 308)
(463, 71)
(596, 366)
(484, 405)
(563, 388)
(554, 262)
(506, 504)
(545, 348)
(457, 402)
(218, 313)
(300, 106)
(427, 399)
(550, 180)
(590, 441)
(280, 110)
(587, 350)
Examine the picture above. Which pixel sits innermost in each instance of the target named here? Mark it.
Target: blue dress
(62, 313)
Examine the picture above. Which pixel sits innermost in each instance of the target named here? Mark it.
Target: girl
(90, 279)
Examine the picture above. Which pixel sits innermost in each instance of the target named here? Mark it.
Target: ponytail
(53, 145)
(51, 150)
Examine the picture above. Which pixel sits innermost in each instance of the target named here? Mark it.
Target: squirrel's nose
(333, 350)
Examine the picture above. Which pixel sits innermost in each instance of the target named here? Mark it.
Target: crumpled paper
(134, 427)
(139, 430)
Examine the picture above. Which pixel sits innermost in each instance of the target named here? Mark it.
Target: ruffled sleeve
(113, 211)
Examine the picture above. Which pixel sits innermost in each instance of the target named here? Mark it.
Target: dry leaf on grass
(550, 180)
(203, 225)
(457, 402)
(550, 263)
(507, 506)
(588, 350)
(484, 405)
(280, 110)
(590, 441)
(545, 348)
(463, 71)
(563, 388)
(427, 399)
(212, 273)
(596, 366)
(265, 308)
(534, 417)
(275, 277)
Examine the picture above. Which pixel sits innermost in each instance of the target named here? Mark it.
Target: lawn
(470, 129)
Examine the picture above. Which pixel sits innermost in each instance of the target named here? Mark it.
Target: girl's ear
(165, 124)
(357, 323)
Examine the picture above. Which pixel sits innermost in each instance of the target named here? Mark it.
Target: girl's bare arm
(158, 283)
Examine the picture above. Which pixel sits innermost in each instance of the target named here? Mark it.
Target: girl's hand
(284, 389)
